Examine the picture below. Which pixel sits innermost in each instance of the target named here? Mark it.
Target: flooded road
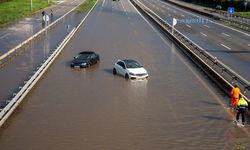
(76, 109)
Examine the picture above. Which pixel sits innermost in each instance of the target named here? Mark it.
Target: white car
(130, 69)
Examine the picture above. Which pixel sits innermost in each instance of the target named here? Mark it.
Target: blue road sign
(245, 3)
(230, 10)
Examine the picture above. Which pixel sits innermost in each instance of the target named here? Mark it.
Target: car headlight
(131, 73)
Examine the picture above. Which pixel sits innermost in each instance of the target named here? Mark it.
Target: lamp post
(31, 5)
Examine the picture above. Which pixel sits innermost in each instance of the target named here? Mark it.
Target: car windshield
(132, 64)
(82, 56)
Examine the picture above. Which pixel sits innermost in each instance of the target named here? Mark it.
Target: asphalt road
(176, 108)
(230, 46)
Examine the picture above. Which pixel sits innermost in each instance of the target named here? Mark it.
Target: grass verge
(16, 9)
(243, 14)
(88, 4)
(237, 26)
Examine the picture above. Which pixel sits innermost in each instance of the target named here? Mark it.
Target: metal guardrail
(215, 66)
(14, 51)
(12, 104)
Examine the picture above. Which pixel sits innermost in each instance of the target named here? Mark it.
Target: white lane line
(226, 34)
(123, 8)
(207, 26)
(208, 19)
(5, 35)
(103, 3)
(188, 26)
(203, 34)
(225, 46)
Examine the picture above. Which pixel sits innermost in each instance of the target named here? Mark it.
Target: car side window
(121, 64)
(92, 56)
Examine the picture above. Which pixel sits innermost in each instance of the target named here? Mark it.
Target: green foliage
(243, 14)
(16, 9)
(88, 4)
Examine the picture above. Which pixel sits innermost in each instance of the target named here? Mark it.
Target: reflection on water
(138, 88)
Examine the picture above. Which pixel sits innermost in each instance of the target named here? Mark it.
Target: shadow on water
(215, 118)
(109, 71)
(210, 103)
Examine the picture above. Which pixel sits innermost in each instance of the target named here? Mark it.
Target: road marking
(207, 26)
(226, 34)
(208, 19)
(188, 26)
(5, 35)
(203, 34)
(103, 3)
(225, 46)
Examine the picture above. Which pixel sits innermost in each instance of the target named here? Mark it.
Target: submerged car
(130, 69)
(85, 59)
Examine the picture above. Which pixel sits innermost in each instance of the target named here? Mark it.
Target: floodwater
(76, 109)
(21, 68)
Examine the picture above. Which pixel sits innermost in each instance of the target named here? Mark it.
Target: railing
(11, 105)
(217, 70)
(14, 51)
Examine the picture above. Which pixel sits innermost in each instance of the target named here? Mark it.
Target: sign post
(245, 4)
(230, 11)
(31, 5)
(174, 23)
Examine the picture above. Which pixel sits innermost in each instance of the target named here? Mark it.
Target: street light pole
(31, 5)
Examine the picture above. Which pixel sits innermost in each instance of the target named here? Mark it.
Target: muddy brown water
(76, 109)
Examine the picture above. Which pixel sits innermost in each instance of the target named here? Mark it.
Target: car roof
(87, 52)
(129, 61)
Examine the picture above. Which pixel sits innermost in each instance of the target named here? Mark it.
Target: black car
(85, 59)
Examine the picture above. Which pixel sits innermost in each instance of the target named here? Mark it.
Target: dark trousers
(241, 112)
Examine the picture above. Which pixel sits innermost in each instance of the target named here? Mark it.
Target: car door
(93, 59)
(121, 68)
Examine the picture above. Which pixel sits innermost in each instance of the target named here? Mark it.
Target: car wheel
(114, 71)
(72, 66)
(126, 76)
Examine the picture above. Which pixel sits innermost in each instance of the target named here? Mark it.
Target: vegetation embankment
(15, 9)
(243, 14)
(88, 4)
